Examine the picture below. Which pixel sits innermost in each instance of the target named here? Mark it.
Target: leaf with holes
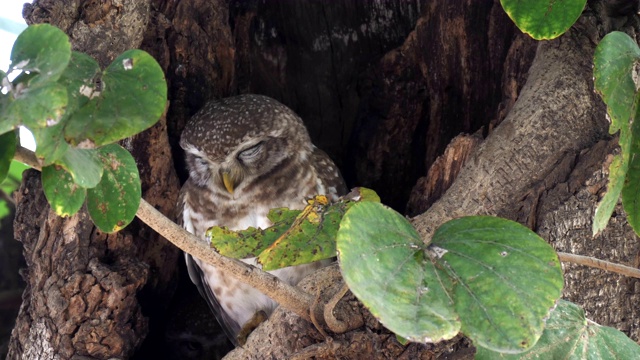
(79, 80)
(312, 236)
(614, 62)
(41, 49)
(34, 108)
(113, 203)
(543, 19)
(64, 195)
(251, 242)
(569, 335)
(295, 237)
(131, 97)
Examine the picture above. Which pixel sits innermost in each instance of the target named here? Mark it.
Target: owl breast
(238, 300)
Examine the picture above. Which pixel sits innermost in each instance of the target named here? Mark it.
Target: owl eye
(250, 153)
(200, 162)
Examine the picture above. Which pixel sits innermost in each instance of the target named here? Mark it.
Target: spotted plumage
(247, 154)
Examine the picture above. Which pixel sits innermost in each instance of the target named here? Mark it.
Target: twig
(6, 197)
(337, 326)
(600, 264)
(290, 297)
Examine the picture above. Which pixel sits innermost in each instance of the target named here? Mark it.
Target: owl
(246, 155)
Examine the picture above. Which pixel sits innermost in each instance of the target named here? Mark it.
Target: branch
(599, 264)
(290, 297)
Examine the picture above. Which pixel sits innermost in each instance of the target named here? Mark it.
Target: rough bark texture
(540, 129)
(383, 87)
(284, 336)
(563, 216)
(441, 174)
(86, 290)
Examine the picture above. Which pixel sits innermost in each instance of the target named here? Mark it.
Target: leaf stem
(290, 297)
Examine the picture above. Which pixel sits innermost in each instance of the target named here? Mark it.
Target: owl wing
(230, 327)
(329, 175)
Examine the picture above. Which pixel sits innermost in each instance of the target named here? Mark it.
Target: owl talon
(258, 318)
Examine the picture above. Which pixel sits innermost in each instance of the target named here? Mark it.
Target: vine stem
(599, 264)
(289, 297)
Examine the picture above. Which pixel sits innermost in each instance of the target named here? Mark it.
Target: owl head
(233, 142)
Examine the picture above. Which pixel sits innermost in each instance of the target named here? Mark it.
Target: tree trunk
(383, 87)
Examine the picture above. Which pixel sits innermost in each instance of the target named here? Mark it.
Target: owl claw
(258, 318)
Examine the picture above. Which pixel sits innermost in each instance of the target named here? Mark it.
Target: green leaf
(251, 242)
(10, 184)
(84, 166)
(64, 195)
(491, 260)
(114, 202)
(617, 79)
(50, 143)
(131, 99)
(569, 335)
(543, 19)
(42, 49)
(8, 143)
(608, 203)
(310, 238)
(384, 262)
(614, 62)
(475, 276)
(630, 193)
(34, 107)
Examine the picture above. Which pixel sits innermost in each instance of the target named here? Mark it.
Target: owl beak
(228, 181)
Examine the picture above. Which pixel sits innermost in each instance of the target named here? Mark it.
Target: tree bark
(383, 87)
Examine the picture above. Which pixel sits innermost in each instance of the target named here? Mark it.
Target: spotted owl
(246, 155)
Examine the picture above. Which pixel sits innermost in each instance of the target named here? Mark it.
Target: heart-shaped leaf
(113, 203)
(543, 19)
(131, 97)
